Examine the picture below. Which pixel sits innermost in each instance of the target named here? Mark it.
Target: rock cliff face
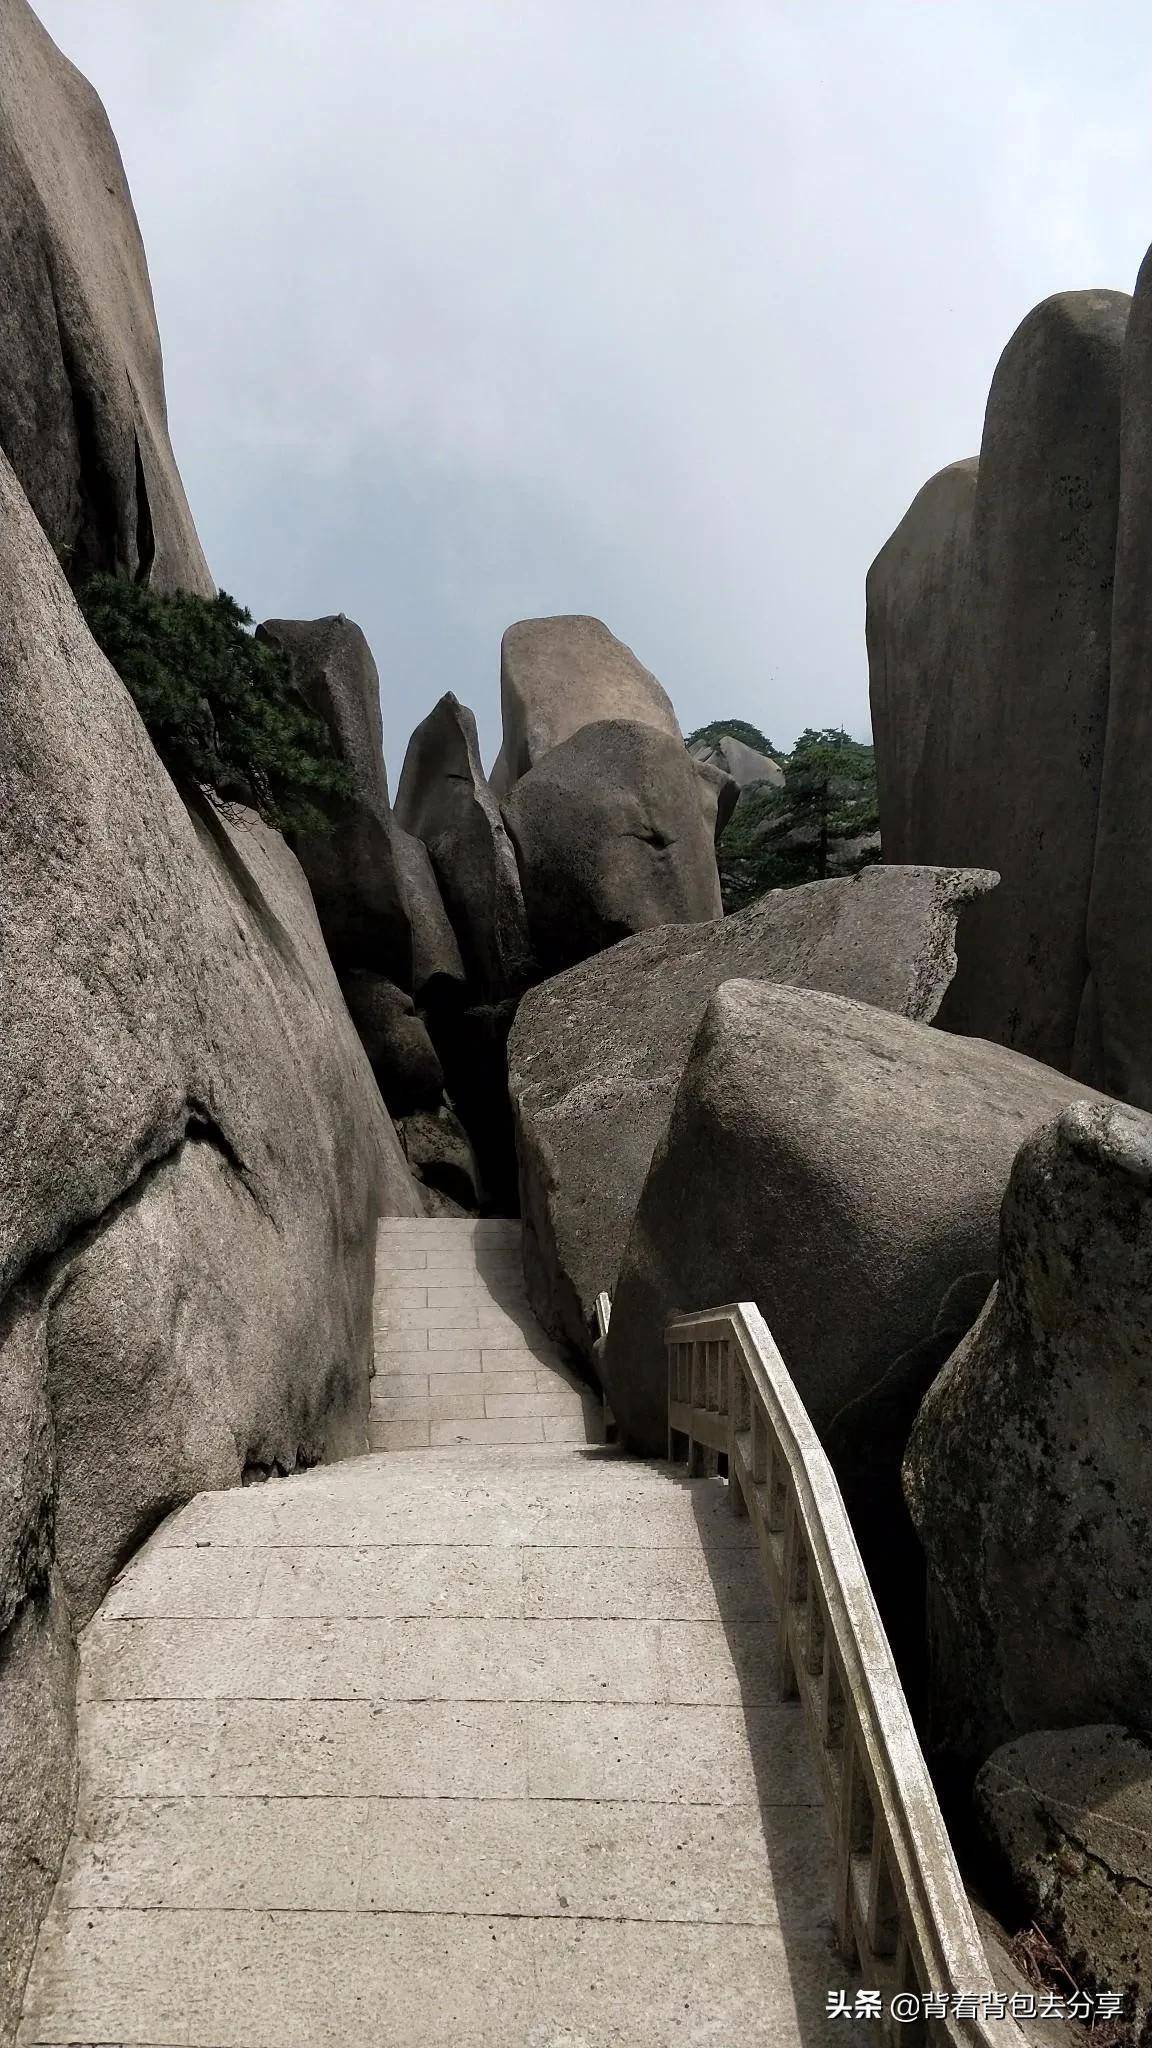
(559, 674)
(916, 593)
(597, 1054)
(839, 1166)
(612, 837)
(82, 413)
(444, 799)
(745, 765)
(1026, 735)
(352, 868)
(989, 635)
(192, 1158)
(1027, 1470)
(376, 897)
(1114, 1045)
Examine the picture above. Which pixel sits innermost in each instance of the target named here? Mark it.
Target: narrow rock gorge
(900, 1111)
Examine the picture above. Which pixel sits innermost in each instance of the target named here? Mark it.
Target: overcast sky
(657, 309)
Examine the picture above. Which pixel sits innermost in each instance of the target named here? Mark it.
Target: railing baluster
(814, 1640)
(760, 1450)
(778, 1487)
(785, 1666)
(883, 1917)
(741, 1394)
(738, 1410)
(832, 1710)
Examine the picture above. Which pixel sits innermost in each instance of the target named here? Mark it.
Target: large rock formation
(745, 765)
(559, 674)
(82, 413)
(1026, 723)
(1027, 1471)
(399, 1048)
(837, 1165)
(376, 895)
(718, 794)
(437, 966)
(442, 1160)
(1114, 1048)
(444, 800)
(916, 592)
(351, 867)
(192, 1159)
(612, 838)
(1070, 1810)
(597, 1055)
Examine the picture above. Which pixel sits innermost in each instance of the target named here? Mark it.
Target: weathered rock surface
(611, 838)
(400, 1051)
(837, 1165)
(866, 1441)
(1026, 730)
(596, 1055)
(718, 795)
(1010, 1980)
(82, 413)
(1071, 1811)
(352, 867)
(444, 800)
(38, 1776)
(1113, 1049)
(746, 765)
(192, 1160)
(437, 968)
(442, 1160)
(916, 592)
(1027, 1470)
(559, 674)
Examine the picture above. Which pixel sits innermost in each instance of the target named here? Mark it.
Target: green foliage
(739, 729)
(777, 838)
(219, 704)
(830, 780)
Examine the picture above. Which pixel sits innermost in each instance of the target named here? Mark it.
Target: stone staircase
(477, 1744)
(460, 1357)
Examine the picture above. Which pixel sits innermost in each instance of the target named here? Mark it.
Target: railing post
(786, 1668)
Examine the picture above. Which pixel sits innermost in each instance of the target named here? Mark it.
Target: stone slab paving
(476, 1746)
(460, 1357)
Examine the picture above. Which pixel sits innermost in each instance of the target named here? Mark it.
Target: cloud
(496, 307)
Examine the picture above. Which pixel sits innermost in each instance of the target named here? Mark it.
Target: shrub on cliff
(220, 705)
(732, 728)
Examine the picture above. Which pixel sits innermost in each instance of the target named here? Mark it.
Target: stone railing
(900, 1905)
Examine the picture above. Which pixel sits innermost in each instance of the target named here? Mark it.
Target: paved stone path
(460, 1357)
(473, 1745)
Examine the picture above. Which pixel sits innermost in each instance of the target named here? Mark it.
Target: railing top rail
(944, 1926)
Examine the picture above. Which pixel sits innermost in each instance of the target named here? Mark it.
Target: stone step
(424, 1980)
(476, 1746)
